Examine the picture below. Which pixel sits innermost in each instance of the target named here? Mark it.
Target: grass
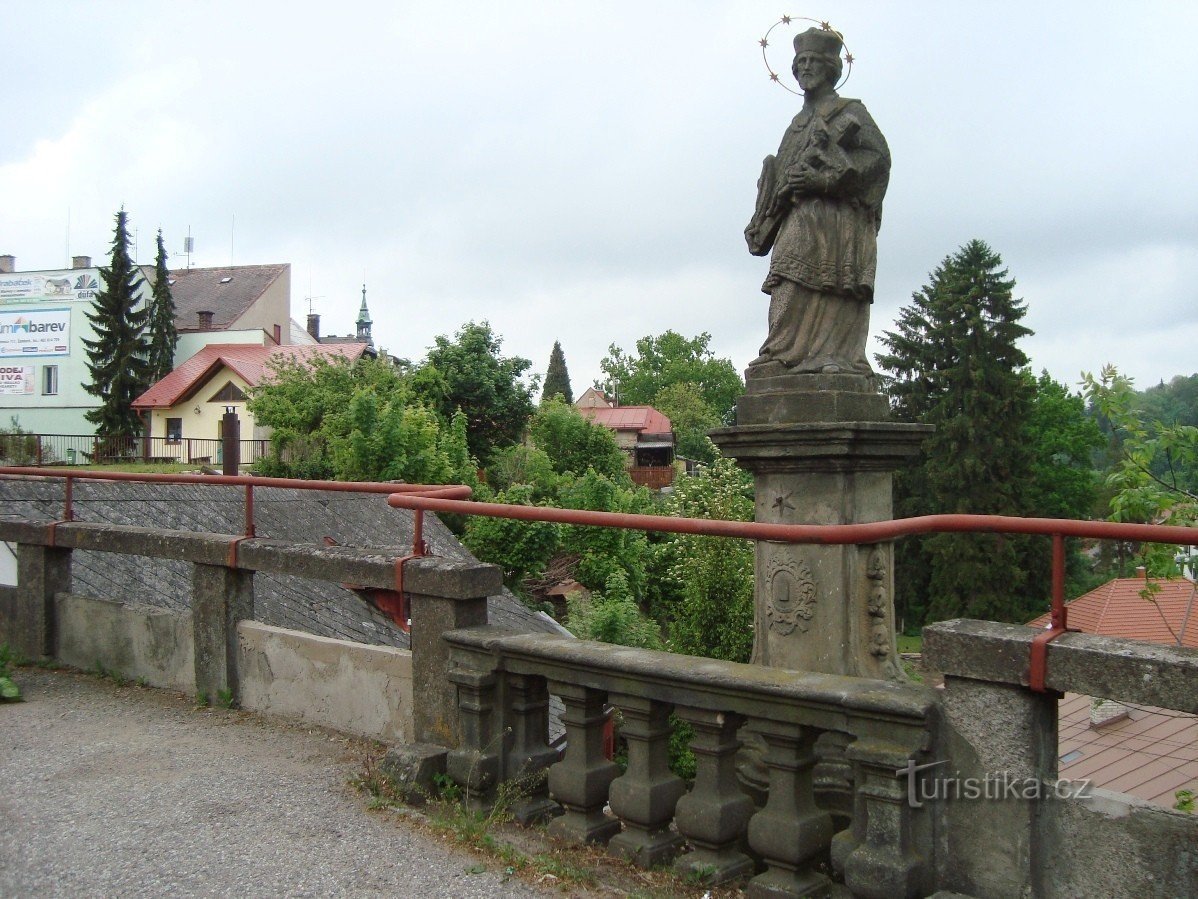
(135, 467)
(908, 643)
(525, 852)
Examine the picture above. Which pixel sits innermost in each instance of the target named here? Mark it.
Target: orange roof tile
(249, 361)
(1150, 754)
(1118, 609)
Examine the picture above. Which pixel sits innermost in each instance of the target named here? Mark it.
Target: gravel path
(108, 791)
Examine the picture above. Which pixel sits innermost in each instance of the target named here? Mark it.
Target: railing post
(530, 753)
(446, 594)
(885, 863)
(475, 764)
(790, 833)
(580, 781)
(42, 573)
(645, 796)
(714, 815)
(221, 597)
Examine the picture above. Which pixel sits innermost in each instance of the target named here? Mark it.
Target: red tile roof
(642, 419)
(1151, 754)
(249, 361)
(1117, 609)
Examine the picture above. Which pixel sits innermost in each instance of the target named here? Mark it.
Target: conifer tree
(954, 363)
(557, 378)
(163, 335)
(117, 356)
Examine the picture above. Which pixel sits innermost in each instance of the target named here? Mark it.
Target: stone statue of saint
(819, 205)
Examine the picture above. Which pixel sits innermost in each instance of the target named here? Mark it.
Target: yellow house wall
(203, 425)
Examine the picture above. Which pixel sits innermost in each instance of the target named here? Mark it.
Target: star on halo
(764, 42)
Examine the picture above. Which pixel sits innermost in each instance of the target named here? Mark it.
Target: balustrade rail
(807, 734)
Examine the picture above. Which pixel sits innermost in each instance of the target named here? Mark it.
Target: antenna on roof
(232, 226)
(189, 246)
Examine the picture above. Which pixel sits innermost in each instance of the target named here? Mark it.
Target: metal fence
(85, 449)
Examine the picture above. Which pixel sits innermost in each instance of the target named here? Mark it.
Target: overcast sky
(584, 171)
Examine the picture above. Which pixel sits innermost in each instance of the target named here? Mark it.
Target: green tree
(710, 607)
(954, 362)
(117, 357)
(468, 373)
(356, 420)
(520, 548)
(604, 550)
(1064, 484)
(163, 335)
(573, 443)
(690, 417)
(557, 378)
(667, 359)
(1138, 493)
(612, 616)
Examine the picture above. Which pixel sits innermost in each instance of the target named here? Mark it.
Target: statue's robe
(824, 240)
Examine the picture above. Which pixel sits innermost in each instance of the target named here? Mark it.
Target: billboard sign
(16, 380)
(80, 284)
(35, 332)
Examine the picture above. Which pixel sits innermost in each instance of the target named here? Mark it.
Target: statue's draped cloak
(824, 241)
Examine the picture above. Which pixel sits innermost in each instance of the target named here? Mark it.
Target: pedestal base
(826, 608)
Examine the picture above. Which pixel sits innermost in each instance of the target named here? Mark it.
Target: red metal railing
(873, 532)
(421, 498)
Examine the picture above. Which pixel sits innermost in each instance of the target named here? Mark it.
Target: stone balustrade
(504, 680)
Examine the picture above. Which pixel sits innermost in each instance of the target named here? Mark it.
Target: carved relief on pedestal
(875, 571)
(791, 602)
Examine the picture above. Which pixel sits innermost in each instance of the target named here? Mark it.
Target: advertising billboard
(16, 380)
(35, 332)
(67, 285)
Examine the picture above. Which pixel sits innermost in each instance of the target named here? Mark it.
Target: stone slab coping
(430, 575)
(822, 700)
(1110, 667)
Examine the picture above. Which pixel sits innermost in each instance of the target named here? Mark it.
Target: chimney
(8, 265)
(1106, 711)
(81, 262)
(314, 326)
(205, 321)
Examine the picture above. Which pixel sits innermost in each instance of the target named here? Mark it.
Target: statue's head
(817, 58)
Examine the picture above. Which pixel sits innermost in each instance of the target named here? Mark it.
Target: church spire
(364, 322)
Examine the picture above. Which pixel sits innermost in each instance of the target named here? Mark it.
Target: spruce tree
(954, 363)
(557, 378)
(163, 335)
(117, 356)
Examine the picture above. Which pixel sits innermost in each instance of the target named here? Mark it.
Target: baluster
(530, 755)
(790, 833)
(883, 864)
(714, 815)
(474, 766)
(645, 796)
(581, 779)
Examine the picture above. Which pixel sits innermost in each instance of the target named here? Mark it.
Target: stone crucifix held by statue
(819, 206)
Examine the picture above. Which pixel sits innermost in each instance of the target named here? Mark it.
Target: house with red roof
(1139, 750)
(189, 404)
(644, 434)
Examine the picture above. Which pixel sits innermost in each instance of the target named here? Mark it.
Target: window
(174, 430)
(49, 380)
(230, 393)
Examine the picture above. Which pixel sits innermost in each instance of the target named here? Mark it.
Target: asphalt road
(124, 791)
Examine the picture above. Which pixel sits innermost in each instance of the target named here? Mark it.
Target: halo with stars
(787, 20)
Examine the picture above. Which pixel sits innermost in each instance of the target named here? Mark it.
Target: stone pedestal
(822, 451)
